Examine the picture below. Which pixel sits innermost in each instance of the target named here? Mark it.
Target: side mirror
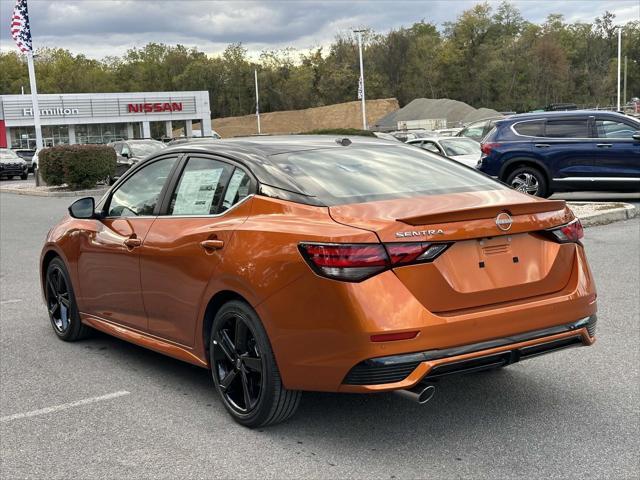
(636, 136)
(85, 208)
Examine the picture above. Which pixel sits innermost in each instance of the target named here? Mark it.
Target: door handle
(210, 245)
(604, 145)
(542, 145)
(133, 242)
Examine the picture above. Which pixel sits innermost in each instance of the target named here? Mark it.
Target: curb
(619, 211)
(34, 193)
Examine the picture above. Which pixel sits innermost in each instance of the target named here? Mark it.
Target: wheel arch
(45, 259)
(213, 306)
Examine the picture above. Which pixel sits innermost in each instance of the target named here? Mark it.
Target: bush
(341, 131)
(79, 166)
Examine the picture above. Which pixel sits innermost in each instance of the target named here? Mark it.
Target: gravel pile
(455, 112)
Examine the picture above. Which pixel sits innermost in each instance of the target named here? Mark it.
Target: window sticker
(196, 192)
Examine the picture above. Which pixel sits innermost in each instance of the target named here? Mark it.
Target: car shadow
(468, 405)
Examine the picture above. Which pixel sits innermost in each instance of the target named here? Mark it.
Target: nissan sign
(154, 107)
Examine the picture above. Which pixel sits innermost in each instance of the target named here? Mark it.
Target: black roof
(254, 153)
(276, 144)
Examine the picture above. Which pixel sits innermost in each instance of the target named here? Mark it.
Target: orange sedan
(298, 263)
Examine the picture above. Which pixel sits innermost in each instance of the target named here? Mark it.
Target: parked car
(478, 130)
(386, 136)
(298, 263)
(447, 132)
(35, 161)
(27, 155)
(404, 135)
(543, 153)
(11, 165)
(131, 152)
(460, 149)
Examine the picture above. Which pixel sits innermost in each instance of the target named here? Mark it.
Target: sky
(97, 28)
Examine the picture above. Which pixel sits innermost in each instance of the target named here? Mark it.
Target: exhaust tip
(420, 394)
(426, 394)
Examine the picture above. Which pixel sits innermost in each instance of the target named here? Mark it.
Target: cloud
(98, 28)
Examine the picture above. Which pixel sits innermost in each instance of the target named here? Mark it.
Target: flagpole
(34, 100)
(255, 73)
(364, 107)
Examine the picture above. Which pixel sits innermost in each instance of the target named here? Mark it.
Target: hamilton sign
(51, 112)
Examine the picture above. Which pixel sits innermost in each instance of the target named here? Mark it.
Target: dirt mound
(341, 115)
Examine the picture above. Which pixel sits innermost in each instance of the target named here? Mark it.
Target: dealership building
(102, 117)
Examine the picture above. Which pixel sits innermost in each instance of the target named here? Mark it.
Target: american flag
(20, 30)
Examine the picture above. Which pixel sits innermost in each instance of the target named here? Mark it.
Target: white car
(11, 165)
(34, 160)
(461, 149)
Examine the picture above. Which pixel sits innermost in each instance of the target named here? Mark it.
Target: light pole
(619, 61)
(361, 82)
(255, 74)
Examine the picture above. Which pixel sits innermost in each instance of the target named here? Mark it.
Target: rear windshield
(338, 176)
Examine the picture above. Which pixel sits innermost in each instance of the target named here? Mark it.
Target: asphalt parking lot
(131, 413)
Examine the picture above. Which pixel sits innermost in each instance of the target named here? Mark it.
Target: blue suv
(543, 153)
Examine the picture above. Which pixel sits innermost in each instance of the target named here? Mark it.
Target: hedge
(78, 166)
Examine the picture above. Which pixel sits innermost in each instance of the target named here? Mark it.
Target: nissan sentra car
(310, 263)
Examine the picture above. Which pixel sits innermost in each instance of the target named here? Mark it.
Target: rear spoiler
(480, 213)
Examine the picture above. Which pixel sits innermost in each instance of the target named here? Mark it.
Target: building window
(101, 132)
(55, 135)
(23, 137)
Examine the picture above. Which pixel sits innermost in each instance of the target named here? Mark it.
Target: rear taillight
(406, 253)
(486, 148)
(570, 233)
(349, 262)
(356, 262)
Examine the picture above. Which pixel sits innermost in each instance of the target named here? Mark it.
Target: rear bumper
(404, 371)
(317, 347)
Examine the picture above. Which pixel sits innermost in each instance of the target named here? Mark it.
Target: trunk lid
(485, 264)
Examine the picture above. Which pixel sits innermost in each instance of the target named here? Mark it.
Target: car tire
(61, 303)
(529, 180)
(244, 369)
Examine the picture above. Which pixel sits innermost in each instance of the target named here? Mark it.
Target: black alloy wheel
(244, 369)
(238, 364)
(58, 301)
(61, 303)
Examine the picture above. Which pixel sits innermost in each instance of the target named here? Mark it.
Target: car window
(200, 187)
(567, 129)
(487, 128)
(237, 189)
(139, 194)
(460, 146)
(613, 129)
(530, 129)
(117, 147)
(125, 150)
(362, 174)
(475, 131)
(431, 147)
(144, 149)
